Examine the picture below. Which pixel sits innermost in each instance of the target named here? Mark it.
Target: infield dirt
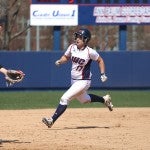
(77, 129)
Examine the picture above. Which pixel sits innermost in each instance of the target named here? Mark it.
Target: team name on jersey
(77, 60)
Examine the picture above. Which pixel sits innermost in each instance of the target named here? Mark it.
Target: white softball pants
(78, 90)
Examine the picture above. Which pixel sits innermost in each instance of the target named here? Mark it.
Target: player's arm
(102, 68)
(3, 70)
(62, 60)
(101, 64)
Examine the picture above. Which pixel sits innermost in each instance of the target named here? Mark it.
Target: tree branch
(14, 16)
(19, 33)
(12, 4)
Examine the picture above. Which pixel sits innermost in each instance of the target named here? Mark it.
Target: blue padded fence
(124, 70)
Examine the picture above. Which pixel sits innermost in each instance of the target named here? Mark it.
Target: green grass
(50, 99)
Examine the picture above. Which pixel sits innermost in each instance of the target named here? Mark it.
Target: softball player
(81, 56)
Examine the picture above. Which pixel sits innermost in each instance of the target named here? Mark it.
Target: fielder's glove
(58, 63)
(103, 77)
(13, 76)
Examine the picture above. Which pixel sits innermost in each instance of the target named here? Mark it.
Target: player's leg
(59, 111)
(76, 89)
(83, 97)
(90, 98)
(105, 100)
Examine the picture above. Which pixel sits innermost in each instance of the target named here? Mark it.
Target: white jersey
(81, 61)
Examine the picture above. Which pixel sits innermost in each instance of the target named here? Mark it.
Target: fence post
(122, 37)
(57, 35)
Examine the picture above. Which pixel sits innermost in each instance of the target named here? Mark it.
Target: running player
(81, 56)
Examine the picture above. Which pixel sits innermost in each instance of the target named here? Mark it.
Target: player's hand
(58, 63)
(103, 77)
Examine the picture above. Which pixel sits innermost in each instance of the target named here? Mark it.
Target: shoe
(107, 102)
(48, 122)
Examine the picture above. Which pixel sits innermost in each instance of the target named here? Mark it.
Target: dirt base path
(77, 129)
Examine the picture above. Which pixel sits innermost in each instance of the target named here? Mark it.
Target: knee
(64, 101)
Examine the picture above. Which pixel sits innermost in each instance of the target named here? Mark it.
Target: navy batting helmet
(84, 33)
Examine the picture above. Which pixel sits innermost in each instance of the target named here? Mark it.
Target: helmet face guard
(83, 34)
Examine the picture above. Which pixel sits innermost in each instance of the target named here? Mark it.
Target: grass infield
(50, 99)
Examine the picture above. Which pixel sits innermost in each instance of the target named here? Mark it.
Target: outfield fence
(129, 69)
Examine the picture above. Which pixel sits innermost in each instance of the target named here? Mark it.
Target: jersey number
(79, 68)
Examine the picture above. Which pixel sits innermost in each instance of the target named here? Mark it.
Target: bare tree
(9, 13)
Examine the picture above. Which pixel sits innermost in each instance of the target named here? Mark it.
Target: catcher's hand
(14, 76)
